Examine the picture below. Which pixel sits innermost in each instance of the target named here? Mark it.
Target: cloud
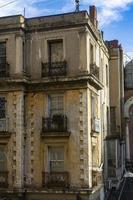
(108, 10)
(31, 8)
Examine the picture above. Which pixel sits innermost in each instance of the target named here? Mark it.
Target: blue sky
(115, 16)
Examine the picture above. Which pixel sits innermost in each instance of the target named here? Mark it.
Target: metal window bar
(56, 179)
(54, 69)
(57, 123)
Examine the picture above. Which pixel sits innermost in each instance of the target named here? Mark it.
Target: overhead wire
(7, 3)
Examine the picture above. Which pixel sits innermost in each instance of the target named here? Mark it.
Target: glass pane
(111, 147)
(56, 49)
(56, 153)
(2, 160)
(57, 166)
(2, 49)
(91, 54)
(2, 107)
(56, 104)
(2, 54)
(56, 157)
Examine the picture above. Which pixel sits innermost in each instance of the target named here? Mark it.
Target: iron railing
(94, 70)
(54, 69)
(3, 178)
(55, 179)
(57, 123)
(4, 70)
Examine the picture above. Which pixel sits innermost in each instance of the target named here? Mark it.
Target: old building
(54, 105)
(115, 140)
(128, 112)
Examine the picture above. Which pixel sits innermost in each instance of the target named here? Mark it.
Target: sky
(115, 16)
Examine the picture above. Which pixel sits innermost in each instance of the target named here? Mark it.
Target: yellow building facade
(54, 100)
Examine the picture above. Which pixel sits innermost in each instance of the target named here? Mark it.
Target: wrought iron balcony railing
(54, 69)
(3, 179)
(4, 70)
(57, 123)
(94, 70)
(55, 179)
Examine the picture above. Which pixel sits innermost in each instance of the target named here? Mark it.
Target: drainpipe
(127, 140)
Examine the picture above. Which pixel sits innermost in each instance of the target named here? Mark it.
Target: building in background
(115, 140)
(128, 111)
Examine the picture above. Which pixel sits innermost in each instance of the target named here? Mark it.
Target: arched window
(129, 75)
(3, 160)
(131, 111)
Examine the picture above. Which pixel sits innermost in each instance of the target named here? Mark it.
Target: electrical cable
(7, 4)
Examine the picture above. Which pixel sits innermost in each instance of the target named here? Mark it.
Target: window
(111, 157)
(3, 160)
(95, 123)
(56, 104)
(2, 107)
(91, 54)
(113, 120)
(2, 57)
(107, 76)
(56, 65)
(56, 159)
(24, 56)
(94, 106)
(129, 75)
(55, 51)
(55, 121)
(131, 111)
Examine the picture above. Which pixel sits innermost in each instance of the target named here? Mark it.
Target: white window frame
(49, 159)
(49, 102)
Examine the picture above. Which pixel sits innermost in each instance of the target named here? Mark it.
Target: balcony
(55, 126)
(94, 70)
(4, 132)
(55, 179)
(4, 70)
(54, 69)
(3, 179)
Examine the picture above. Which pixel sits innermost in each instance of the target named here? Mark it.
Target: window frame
(2, 96)
(91, 53)
(4, 161)
(3, 56)
(54, 41)
(49, 103)
(56, 160)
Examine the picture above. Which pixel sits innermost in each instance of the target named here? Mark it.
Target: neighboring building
(129, 112)
(54, 99)
(115, 145)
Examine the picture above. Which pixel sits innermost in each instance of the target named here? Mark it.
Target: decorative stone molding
(127, 105)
